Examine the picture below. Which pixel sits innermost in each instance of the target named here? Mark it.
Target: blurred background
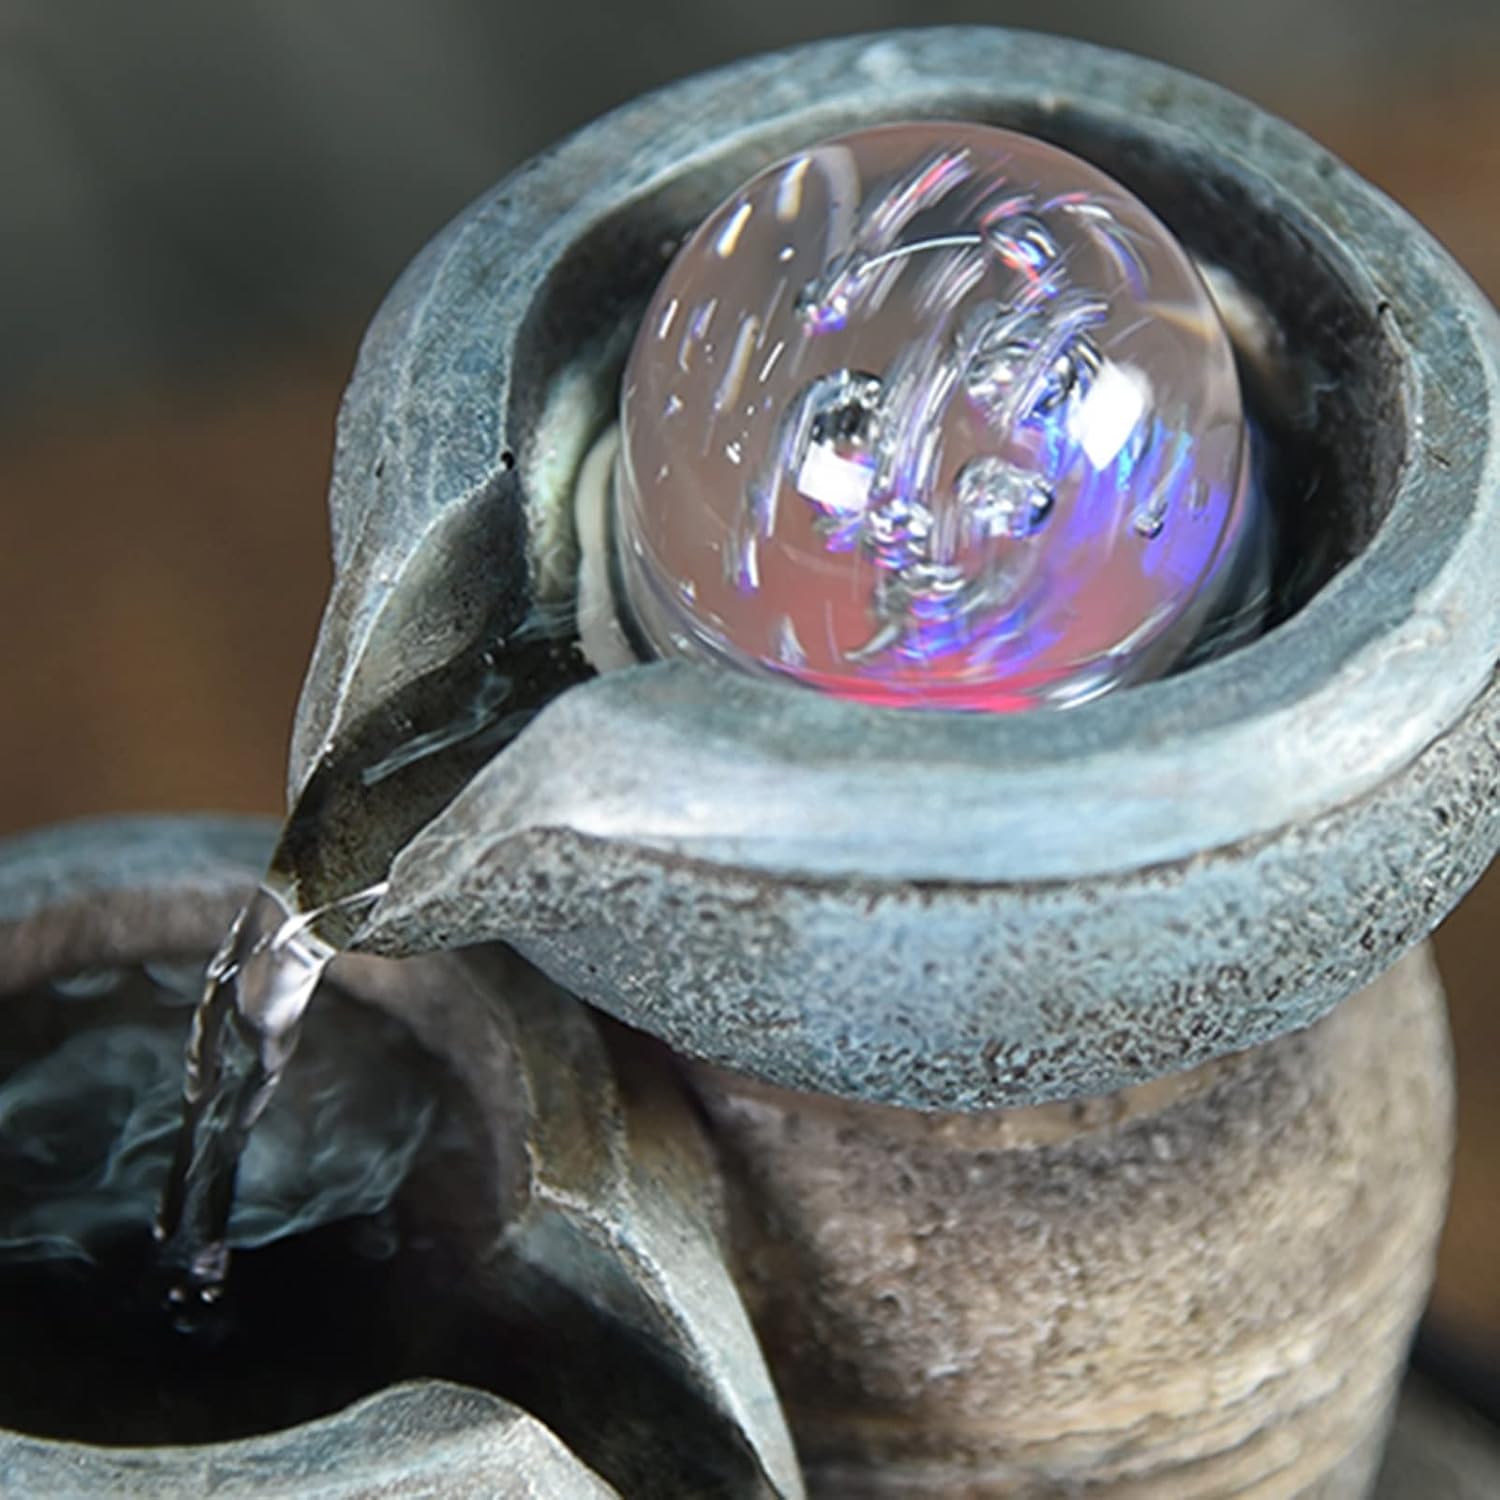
(203, 203)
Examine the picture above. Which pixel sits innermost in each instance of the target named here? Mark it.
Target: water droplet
(1021, 240)
(1149, 520)
(835, 447)
(786, 645)
(998, 499)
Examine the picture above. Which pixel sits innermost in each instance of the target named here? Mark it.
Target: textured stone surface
(134, 887)
(957, 996)
(607, 1189)
(493, 364)
(409, 1443)
(1079, 901)
(598, 1222)
(1199, 1290)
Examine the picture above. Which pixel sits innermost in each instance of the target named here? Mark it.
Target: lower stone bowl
(532, 1303)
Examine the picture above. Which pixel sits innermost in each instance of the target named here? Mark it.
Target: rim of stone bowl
(943, 911)
(1386, 657)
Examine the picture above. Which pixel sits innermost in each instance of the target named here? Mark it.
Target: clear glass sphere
(932, 414)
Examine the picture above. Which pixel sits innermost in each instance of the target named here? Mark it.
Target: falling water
(256, 990)
(353, 1209)
(394, 770)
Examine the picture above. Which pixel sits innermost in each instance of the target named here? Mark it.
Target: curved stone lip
(1386, 658)
(431, 1434)
(122, 889)
(959, 997)
(92, 855)
(1380, 663)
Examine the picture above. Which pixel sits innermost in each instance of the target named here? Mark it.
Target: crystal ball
(931, 414)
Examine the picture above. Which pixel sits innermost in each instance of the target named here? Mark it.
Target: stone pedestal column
(1202, 1286)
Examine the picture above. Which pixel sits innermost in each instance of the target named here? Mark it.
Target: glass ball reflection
(936, 415)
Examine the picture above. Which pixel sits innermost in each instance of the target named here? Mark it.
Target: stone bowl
(941, 911)
(570, 1250)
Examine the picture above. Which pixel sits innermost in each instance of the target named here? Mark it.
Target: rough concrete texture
(947, 996)
(606, 1186)
(1201, 1290)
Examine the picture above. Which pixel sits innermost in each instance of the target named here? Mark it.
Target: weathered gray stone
(601, 1216)
(967, 996)
(408, 1443)
(936, 910)
(135, 887)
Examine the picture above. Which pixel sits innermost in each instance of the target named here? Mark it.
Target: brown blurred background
(202, 205)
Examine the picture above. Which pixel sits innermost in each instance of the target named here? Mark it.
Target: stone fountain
(1078, 1083)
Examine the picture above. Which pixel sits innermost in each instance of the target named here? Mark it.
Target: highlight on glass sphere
(936, 415)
